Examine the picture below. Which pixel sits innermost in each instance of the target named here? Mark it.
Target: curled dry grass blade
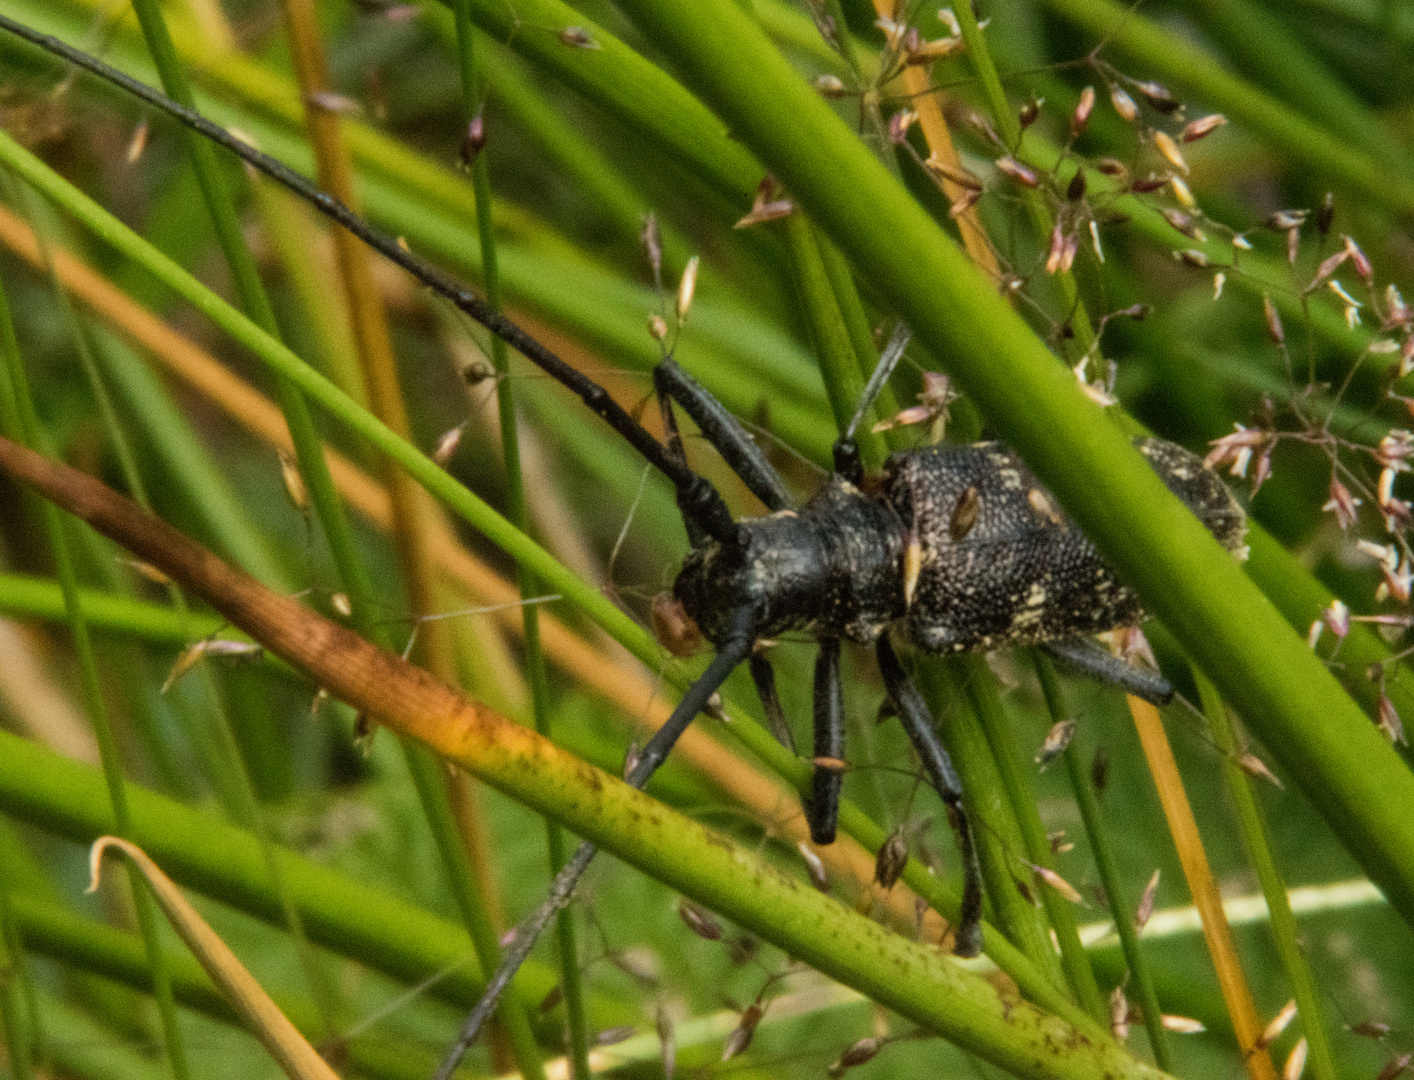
(286, 1045)
(915, 981)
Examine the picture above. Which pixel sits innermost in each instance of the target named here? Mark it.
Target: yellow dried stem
(928, 101)
(1201, 884)
(265, 1021)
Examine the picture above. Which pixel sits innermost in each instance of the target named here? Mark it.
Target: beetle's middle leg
(764, 676)
(822, 809)
(918, 722)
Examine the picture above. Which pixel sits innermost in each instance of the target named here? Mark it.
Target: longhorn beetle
(951, 548)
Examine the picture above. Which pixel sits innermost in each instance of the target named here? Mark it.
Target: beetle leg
(724, 432)
(732, 652)
(822, 809)
(1082, 654)
(764, 676)
(918, 722)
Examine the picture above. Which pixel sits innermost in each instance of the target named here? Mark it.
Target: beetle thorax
(831, 569)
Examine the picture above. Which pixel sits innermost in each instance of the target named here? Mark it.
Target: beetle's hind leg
(918, 722)
(1085, 656)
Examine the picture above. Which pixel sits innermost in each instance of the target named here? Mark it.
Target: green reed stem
(1119, 897)
(19, 417)
(1255, 838)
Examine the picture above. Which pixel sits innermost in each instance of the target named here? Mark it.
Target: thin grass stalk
(535, 671)
(308, 261)
(19, 417)
(602, 182)
(1204, 888)
(607, 812)
(1253, 828)
(83, 345)
(1193, 73)
(999, 728)
(14, 977)
(840, 368)
(861, 336)
(974, 721)
(1009, 127)
(1152, 540)
(469, 871)
(931, 120)
(1116, 892)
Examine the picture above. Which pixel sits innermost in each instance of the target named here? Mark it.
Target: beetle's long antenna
(893, 353)
(732, 652)
(696, 496)
(848, 462)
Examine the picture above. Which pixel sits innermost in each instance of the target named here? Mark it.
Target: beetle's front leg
(918, 722)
